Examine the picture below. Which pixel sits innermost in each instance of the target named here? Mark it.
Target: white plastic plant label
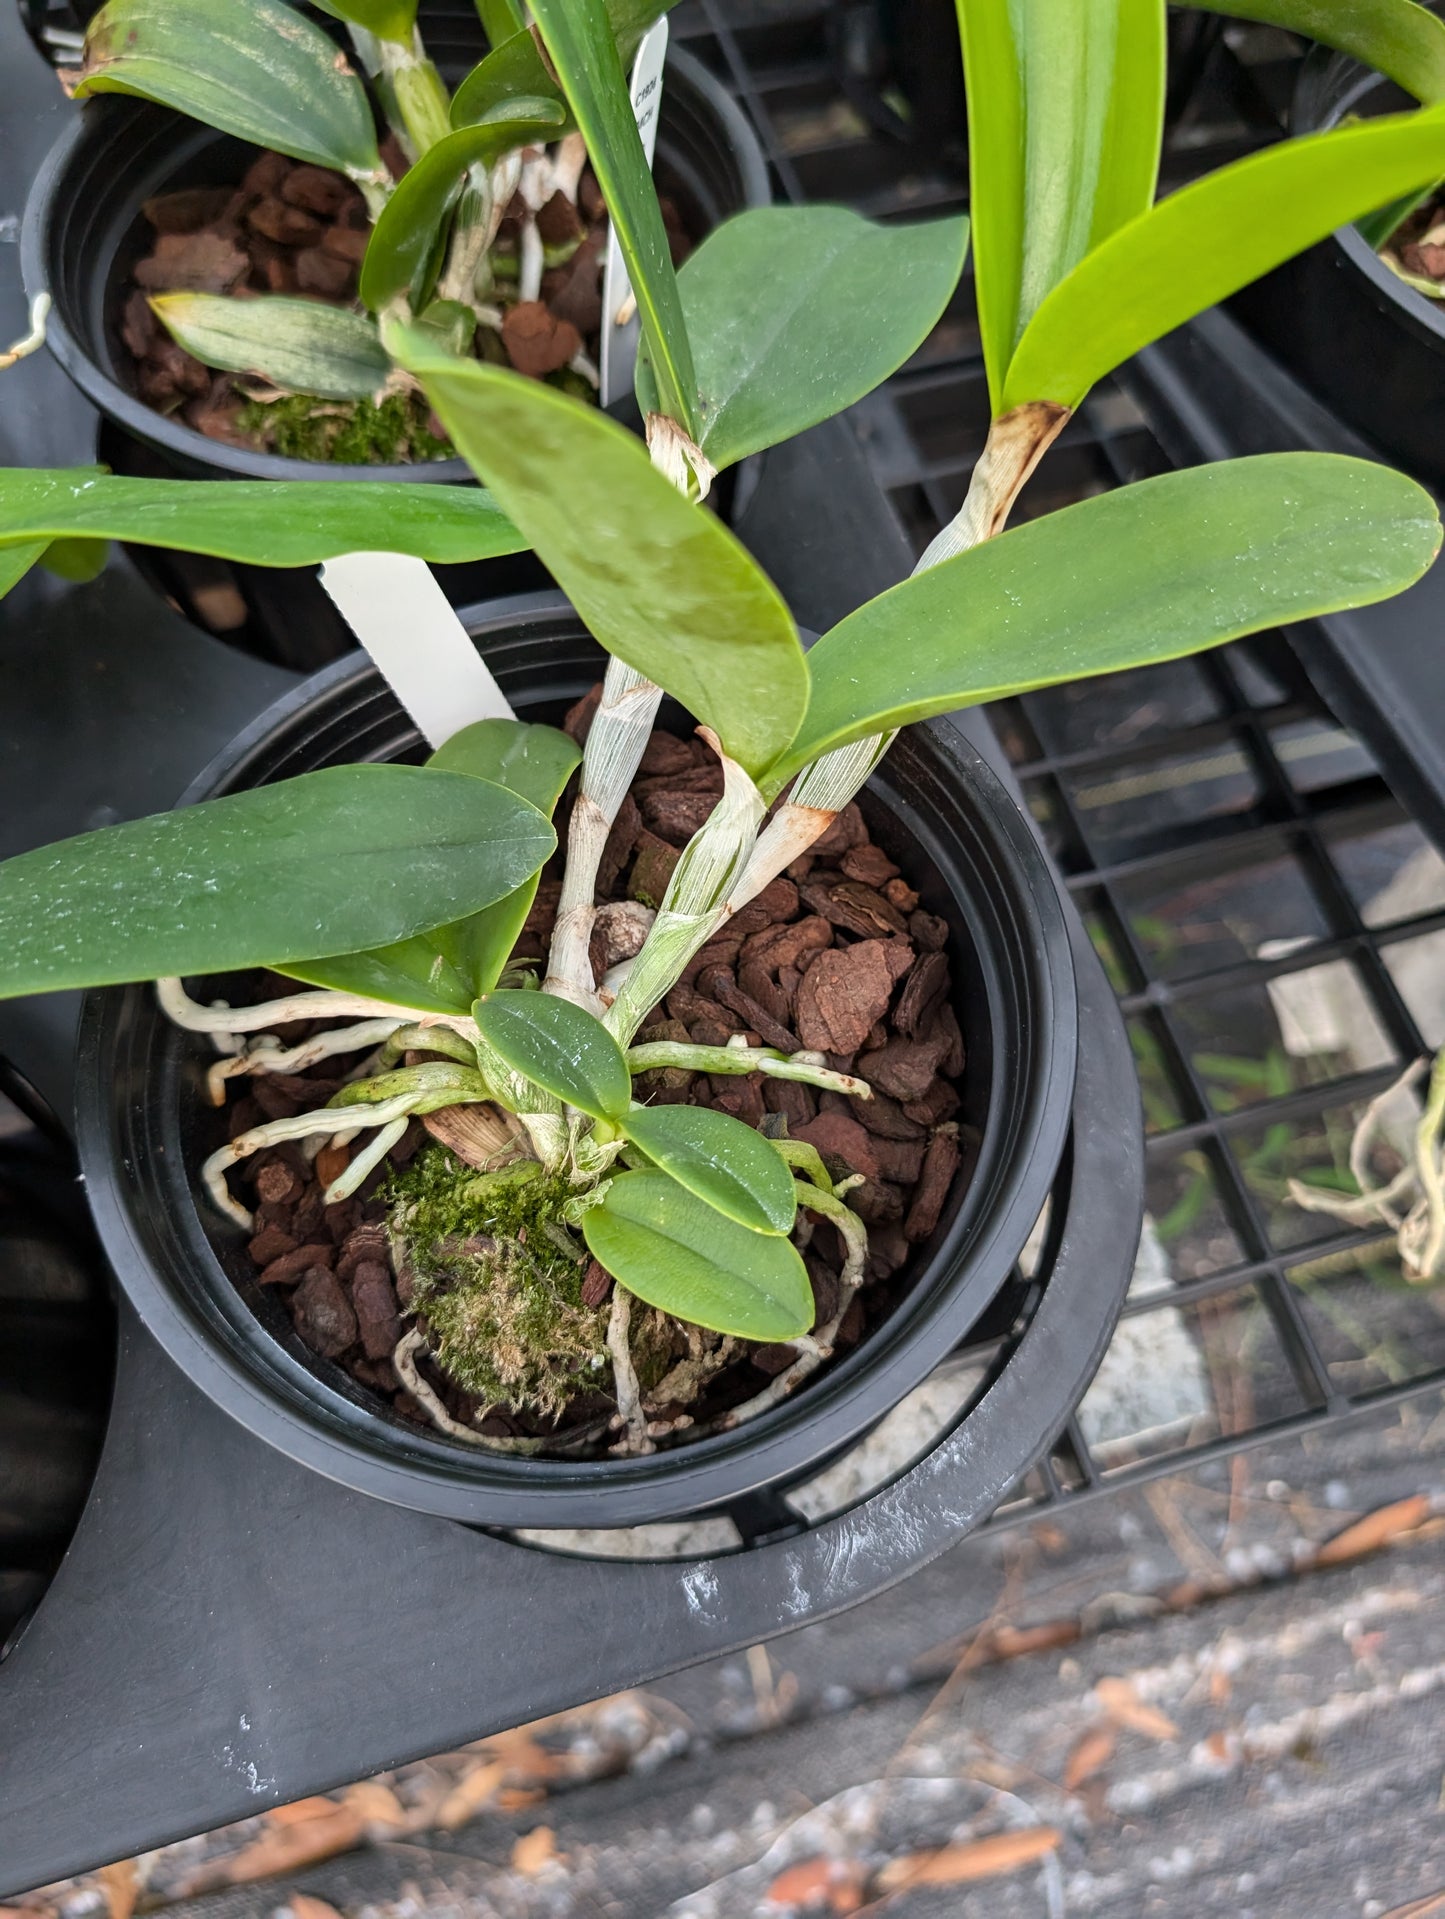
(394, 606)
(620, 329)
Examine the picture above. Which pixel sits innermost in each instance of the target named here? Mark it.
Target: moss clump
(346, 432)
(498, 1280)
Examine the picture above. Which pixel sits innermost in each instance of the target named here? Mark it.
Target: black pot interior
(919, 808)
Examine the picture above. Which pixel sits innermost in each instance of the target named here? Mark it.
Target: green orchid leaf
(16, 561)
(327, 861)
(1147, 573)
(262, 72)
(387, 19)
(445, 969)
(684, 1257)
(559, 1047)
(514, 69)
(720, 1159)
(796, 312)
(403, 241)
(516, 65)
(500, 19)
(1398, 38)
(664, 586)
(77, 560)
(1065, 118)
(580, 39)
(1210, 239)
(305, 346)
(261, 522)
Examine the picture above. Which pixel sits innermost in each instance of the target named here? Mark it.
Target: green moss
(499, 1280)
(346, 432)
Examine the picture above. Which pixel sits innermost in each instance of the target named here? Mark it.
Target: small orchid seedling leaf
(1065, 118)
(796, 312)
(1208, 240)
(329, 860)
(387, 19)
(403, 241)
(663, 585)
(559, 1047)
(582, 45)
(302, 345)
(1398, 38)
(684, 1257)
(720, 1159)
(444, 970)
(260, 522)
(1148, 573)
(262, 72)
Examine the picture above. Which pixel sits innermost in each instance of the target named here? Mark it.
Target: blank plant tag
(620, 328)
(394, 606)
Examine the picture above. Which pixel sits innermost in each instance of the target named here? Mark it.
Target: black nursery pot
(145, 1126)
(84, 231)
(1336, 316)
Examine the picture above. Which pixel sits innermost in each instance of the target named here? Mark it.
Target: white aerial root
(1420, 1183)
(32, 341)
(629, 1394)
(267, 1055)
(404, 1360)
(341, 1122)
(365, 1161)
(178, 1006)
(816, 1347)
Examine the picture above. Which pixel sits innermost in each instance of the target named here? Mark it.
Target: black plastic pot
(1336, 316)
(57, 1352)
(84, 230)
(144, 1127)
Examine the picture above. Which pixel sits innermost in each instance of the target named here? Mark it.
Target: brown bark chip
(362, 1244)
(856, 908)
(537, 342)
(558, 221)
(318, 271)
(940, 1163)
(840, 1138)
(597, 1285)
(288, 226)
(795, 945)
(925, 991)
(928, 932)
(374, 1300)
(323, 1314)
(841, 996)
(618, 849)
(847, 830)
(189, 209)
(265, 173)
(796, 1102)
(904, 1068)
(940, 1102)
(664, 754)
(139, 327)
(276, 1181)
(573, 291)
(868, 864)
(652, 869)
(317, 190)
(347, 243)
(675, 816)
(883, 1117)
(270, 1244)
(717, 983)
(192, 263)
(776, 904)
(289, 1267)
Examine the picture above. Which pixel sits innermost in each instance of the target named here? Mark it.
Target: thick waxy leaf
(387, 19)
(16, 561)
(682, 1256)
(582, 45)
(559, 1047)
(500, 19)
(1065, 116)
(303, 345)
(329, 861)
(1148, 573)
(260, 521)
(796, 312)
(516, 66)
(403, 241)
(444, 970)
(261, 71)
(721, 1160)
(1395, 37)
(663, 585)
(78, 560)
(1210, 239)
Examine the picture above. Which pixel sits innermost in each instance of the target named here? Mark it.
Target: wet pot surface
(146, 1125)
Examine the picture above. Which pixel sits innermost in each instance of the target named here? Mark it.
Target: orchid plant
(396, 894)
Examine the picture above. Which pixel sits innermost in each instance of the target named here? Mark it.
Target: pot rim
(186, 444)
(1329, 86)
(288, 1404)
